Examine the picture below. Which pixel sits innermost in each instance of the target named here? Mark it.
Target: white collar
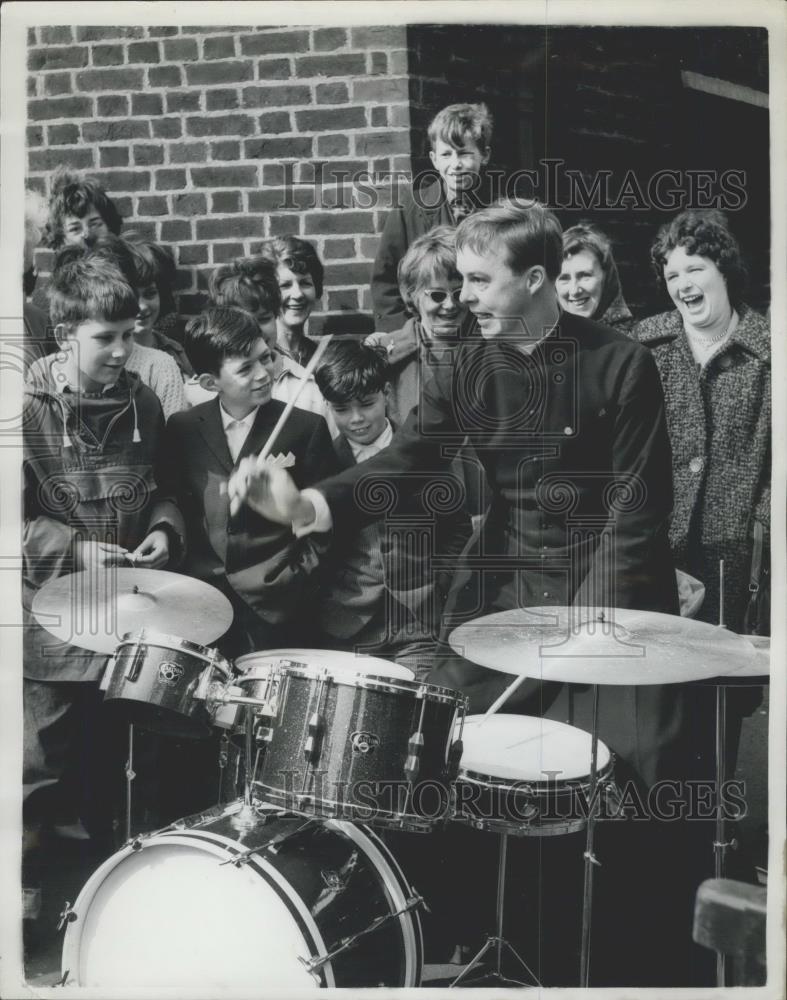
(227, 419)
(363, 451)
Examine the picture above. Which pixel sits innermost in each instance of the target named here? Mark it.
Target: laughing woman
(588, 284)
(714, 356)
(300, 274)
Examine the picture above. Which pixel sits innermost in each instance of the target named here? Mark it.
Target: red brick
(62, 135)
(352, 64)
(284, 225)
(181, 49)
(170, 180)
(223, 202)
(218, 48)
(113, 156)
(124, 180)
(333, 145)
(196, 253)
(237, 71)
(302, 199)
(31, 36)
(381, 37)
(380, 143)
(64, 107)
(271, 42)
(190, 203)
(224, 177)
(167, 128)
(276, 97)
(57, 83)
(144, 52)
(114, 105)
(221, 100)
(49, 159)
(188, 152)
(398, 62)
(224, 252)
(32, 87)
(232, 227)
(332, 172)
(275, 121)
(184, 280)
(226, 150)
(330, 120)
(143, 230)
(332, 93)
(327, 39)
(59, 34)
(35, 135)
(176, 231)
(273, 69)
(146, 104)
(381, 91)
(344, 300)
(212, 29)
(399, 115)
(155, 205)
(165, 76)
(333, 249)
(330, 223)
(278, 174)
(192, 305)
(295, 147)
(379, 117)
(379, 63)
(110, 79)
(148, 156)
(221, 125)
(115, 129)
(182, 100)
(63, 57)
(161, 31)
(93, 33)
(107, 55)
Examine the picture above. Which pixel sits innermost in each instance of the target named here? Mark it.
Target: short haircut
(586, 237)
(529, 232)
(298, 255)
(431, 256)
(155, 265)
(705, 233)
(459, 122)
(218, 333)
(73, 195)
(351, 370)
(90, 287)
(248, 283)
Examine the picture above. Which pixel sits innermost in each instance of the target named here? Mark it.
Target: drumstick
(315, 360)
(503, 697)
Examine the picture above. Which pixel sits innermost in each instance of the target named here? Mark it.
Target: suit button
(725, 362)
(696, 464)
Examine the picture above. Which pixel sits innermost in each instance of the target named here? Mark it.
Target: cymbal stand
(590, 858)
(497, 941)
(130, 775)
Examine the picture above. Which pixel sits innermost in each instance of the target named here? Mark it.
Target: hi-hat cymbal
(94, 610)
(584, 646)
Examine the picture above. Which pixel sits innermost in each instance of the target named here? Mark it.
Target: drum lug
(136, 661)
(68, 916)
(203, 684)
(106, 677)
(311, 747)
(413, 763)
(454, 758)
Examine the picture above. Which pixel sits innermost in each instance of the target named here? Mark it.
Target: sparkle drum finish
(165, 684)
(281, 902)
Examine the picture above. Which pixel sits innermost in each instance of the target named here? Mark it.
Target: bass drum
(228, 905)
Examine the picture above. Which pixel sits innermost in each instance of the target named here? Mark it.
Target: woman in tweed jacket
(713, 353)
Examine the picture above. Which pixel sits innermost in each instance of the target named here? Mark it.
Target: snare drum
(202, 907)
(527, 776)
(165, 684)
(336, 741)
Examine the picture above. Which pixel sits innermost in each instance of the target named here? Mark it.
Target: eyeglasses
(438, 295)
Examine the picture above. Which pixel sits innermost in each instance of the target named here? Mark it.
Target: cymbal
(760, 666)
(94, 610)
(584, 646)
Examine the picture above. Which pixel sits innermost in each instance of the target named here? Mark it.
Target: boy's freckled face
(458, 167)
(244, 383)
(99, 350)
(361, 420)
(84, 229)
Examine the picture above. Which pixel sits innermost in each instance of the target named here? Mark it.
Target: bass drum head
(259, 664)
(527, 748)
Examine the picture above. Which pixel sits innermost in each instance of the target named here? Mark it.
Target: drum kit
(288, 884)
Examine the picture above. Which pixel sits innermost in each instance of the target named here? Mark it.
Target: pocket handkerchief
(281, 461)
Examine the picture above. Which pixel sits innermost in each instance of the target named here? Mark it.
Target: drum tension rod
(68, 916)
(413, 763)
(313, 964)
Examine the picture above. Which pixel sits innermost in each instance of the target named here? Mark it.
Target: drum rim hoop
(177, 643)
(496, 783)
(434, 692)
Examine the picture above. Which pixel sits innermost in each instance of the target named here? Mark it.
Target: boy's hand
(98, 555)
(269, 491)
(152, 552)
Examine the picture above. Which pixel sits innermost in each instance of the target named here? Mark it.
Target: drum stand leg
(590, 858)
(497, 941)
(720, 843)
(130, 775)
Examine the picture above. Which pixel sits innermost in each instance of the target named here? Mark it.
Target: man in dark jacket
(460, 137)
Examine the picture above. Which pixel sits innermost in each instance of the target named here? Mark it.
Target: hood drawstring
(136, 437)
(66, 440)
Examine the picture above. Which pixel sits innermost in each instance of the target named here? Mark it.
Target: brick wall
(211, 138)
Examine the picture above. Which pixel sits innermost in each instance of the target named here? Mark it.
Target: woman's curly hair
(706, 234)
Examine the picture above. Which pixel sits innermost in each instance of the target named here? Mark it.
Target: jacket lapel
(212, 431)
(261, 429)
(344, 452)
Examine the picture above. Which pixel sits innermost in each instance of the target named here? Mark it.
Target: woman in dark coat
(588, 284)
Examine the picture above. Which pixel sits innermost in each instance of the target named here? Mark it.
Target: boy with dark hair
(378, 595)
(80, 211)
(460, 137)
(259, 565)
(96, 496)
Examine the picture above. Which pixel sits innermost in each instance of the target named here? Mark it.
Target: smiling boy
(460, 138)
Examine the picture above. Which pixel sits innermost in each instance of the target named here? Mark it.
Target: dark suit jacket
(260, 561)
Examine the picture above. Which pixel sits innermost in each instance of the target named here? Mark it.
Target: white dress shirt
(236, 431)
